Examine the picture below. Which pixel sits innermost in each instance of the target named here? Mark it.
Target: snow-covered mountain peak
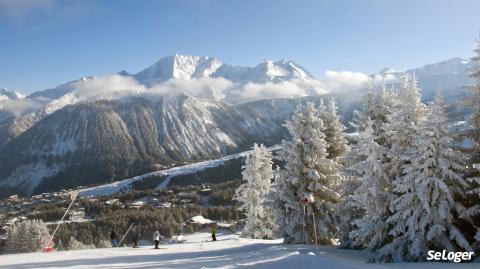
(178, 66)
(190, 67)
(269, 71)
(450, 66)
(10, 95)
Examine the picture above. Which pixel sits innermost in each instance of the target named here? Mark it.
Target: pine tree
(60, 246)
(308, 172)
(337, 150)
(39, 234)
(334, 131)
(472, 102)
(378, 107)
(253, 194)
(12, 245)
(27, 236)
(280, 193)
(396, 136)
(373, 194)
(425, 210)
(347, 211)
(408, 114)
(370, 124)
(74, 244)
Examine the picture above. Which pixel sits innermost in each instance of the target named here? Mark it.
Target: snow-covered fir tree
(472, 102)
(425, 210)
(15, 233)
(337, 144)
(253, 194)
(27, 236)
(393, 138)
(59, 246)
(347, 210)
(74, 244)
(408, 113)
(378, 109)
(370, 125)
(378, 106)
(373, 195)
(307, 171)
(380, 113)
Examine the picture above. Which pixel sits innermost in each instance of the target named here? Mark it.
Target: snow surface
(228, 252)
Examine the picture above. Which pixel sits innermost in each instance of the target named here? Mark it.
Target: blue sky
(47, 42)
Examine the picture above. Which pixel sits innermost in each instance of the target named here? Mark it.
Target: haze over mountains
(180, 109)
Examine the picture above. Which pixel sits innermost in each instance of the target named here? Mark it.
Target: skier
(136, 238)
(113, 238)
(213, 230)
(156, 238)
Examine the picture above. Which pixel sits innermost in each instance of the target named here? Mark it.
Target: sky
(44, 43)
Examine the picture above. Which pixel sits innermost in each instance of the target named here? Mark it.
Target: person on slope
(213, 230)
(136, 238)
(156, 238)
(113, 238)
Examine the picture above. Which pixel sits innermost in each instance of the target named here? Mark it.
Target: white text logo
(449, 256)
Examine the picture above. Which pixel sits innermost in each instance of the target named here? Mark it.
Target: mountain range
(178, 110)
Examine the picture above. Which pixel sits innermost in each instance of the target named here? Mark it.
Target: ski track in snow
(125, 185)
(228, 252)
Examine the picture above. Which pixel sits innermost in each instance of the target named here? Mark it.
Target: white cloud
(18, 107)
(207, 88)
(107, 86)
(286, 89)
(117, 86)
(18, 9)
(347, 80)
(344, 80)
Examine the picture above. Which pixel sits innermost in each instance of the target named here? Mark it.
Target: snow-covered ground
(228, 252)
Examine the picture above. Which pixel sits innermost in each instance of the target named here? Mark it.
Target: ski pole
(314, 228)
(125, 234)
(303, 227)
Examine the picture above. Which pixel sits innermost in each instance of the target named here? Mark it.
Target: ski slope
(125, 185)
(227, 253)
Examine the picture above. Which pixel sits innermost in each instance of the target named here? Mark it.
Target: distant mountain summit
(10, 95)
(178, 67)
(191, 67)
(445, 77)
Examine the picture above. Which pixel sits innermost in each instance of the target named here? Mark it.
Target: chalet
(113, 202)
(13, 198)
(137, 204)
(77, 215)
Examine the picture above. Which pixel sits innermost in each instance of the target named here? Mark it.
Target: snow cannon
(48, 248)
